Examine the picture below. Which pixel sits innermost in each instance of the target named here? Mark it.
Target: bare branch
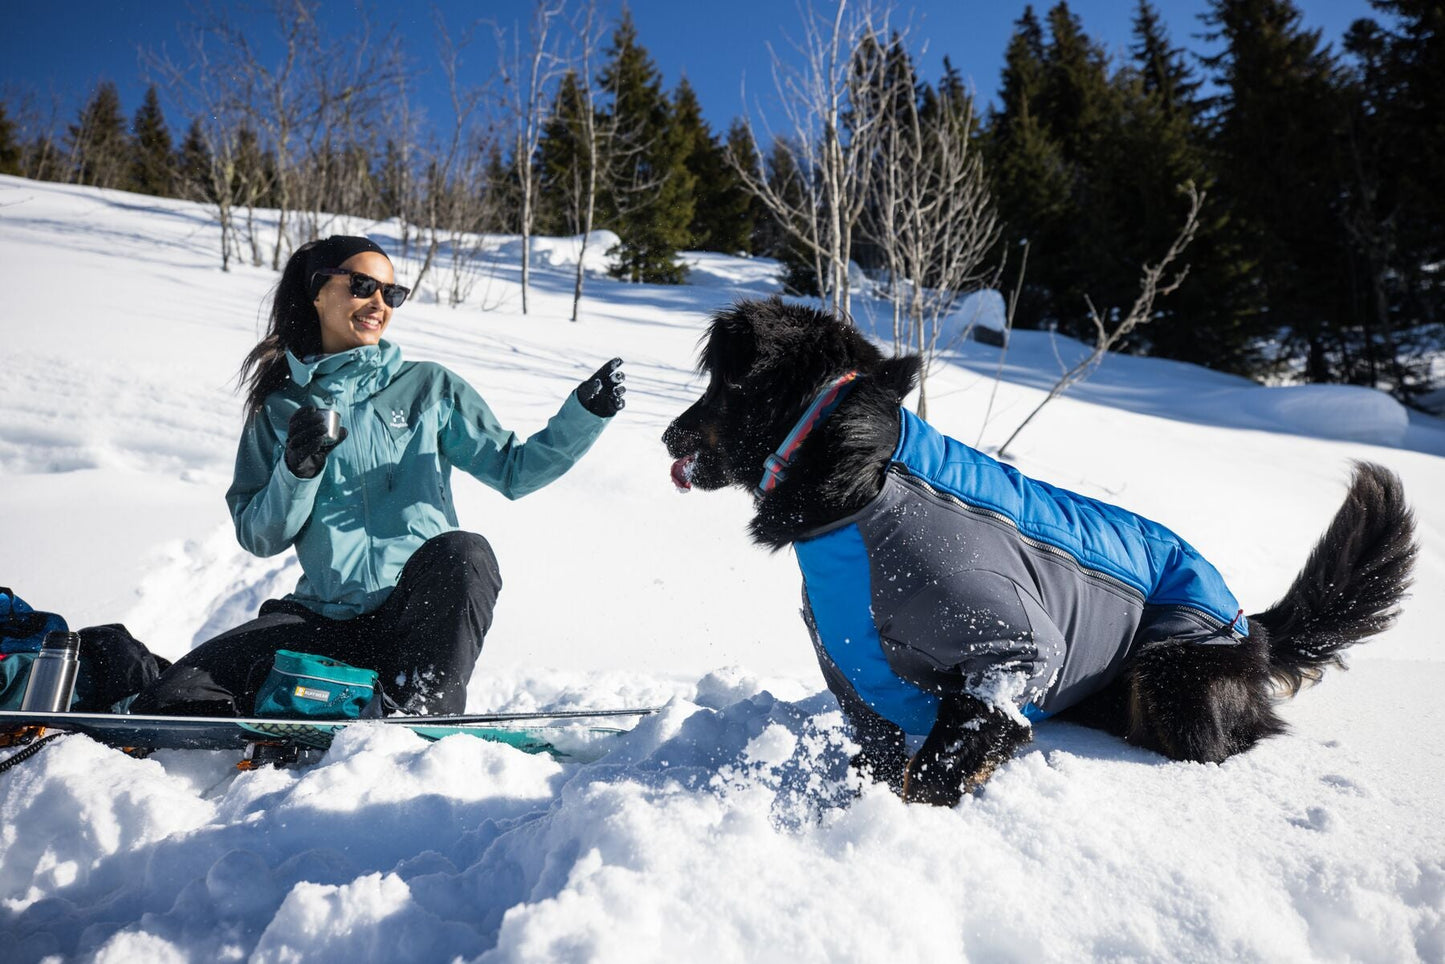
(1151, 287)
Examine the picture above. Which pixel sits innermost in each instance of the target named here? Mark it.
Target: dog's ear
(900, 374)
(730, 346)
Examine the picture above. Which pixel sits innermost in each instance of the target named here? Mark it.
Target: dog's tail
(1351, 586)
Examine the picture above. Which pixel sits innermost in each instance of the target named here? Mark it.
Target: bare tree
(526, 75)
(930, 212)
(36, 128)
(831, 137)
(445, 158)
(590, 138)
(1108, 333)
(311, 104)
(208, 93)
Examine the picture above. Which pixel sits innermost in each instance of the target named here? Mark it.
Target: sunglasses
(364, 286)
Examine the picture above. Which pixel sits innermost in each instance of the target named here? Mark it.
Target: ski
(578, 735)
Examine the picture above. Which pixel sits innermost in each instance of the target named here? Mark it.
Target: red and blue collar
(775, 467)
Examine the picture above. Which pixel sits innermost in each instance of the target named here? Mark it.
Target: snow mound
(1345, 412)
(548, 252)
(743, 277)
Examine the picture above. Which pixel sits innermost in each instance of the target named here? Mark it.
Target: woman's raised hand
(602, 393)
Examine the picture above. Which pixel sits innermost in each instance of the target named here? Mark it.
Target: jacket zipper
(364, 431)
(319, 679)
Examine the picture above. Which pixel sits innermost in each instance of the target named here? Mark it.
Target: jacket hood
(369, 368)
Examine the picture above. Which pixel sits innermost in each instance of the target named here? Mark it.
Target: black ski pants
(423, 641)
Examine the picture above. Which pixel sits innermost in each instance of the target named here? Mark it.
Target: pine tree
(721, 207)
(562, 161)
(1045, 147)
(99, 147)
(774, 239)
(1162, 68)
(1089, 257)
(10, 152)
(193, 165)
(1394, 208)
(1161, 146)
(1276, 137)
(650, 203)
(504, 193)
(153, 164)
(886, 86)
(1031, 184)
(740, 212)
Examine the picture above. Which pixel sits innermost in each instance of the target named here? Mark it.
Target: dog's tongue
(682, 472)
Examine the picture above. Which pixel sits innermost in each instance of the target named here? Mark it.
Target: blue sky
(57, 52)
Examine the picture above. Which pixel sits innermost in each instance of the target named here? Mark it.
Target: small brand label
(307, 693)
(398, 418)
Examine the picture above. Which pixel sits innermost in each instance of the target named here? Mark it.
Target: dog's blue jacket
(964, 575)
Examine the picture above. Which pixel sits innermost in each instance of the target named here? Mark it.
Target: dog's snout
(679, 440)
(683, 435)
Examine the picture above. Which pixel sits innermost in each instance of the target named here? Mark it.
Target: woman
(388, 580)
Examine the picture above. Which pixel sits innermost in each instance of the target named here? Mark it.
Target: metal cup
(333, 423)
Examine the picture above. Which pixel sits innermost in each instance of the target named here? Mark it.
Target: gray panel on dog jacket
(965, 576)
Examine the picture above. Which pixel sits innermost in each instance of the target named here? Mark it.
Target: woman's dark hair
(294, 327)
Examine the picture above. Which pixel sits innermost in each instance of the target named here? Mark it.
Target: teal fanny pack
(303, 685)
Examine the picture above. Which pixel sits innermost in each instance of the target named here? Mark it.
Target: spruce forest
(1314, 252)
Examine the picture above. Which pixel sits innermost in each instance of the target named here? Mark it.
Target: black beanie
(331, 253)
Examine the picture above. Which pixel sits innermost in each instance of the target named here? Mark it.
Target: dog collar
(775, 467)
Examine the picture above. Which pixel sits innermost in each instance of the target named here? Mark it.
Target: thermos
(52, 675)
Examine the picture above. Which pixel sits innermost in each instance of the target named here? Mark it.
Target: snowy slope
(725, 828)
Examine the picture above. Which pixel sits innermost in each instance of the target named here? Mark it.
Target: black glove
(602, 393)
(307, 443)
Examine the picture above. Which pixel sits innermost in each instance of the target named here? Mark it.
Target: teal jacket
(386, 489)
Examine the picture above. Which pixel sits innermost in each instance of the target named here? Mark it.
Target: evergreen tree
(774, 239)
(1165, 75)
(193, 165)
(1046, 147)
(253, 171)
(740, 210)
(1276, 138)
(153, 164)
(562, 159)
(99, 148)
(885, 87)
(1160, 147)
(10, 153)
(1031, 183)
(1394, 209)
(504, 193)
(720, 220)
(650, 202)
(1089, 257)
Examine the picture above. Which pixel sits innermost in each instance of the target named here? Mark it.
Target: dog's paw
(938, 779)
(882, 766)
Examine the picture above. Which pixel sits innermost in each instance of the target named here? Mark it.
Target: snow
(726, 827)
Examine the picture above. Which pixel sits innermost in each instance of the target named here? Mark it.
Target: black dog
(951, 597)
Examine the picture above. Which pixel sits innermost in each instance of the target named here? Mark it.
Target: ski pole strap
(775, 466)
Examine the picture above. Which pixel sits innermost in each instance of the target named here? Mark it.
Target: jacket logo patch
(398, 418)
